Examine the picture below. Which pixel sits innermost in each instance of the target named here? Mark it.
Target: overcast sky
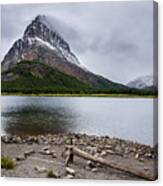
(114, 39)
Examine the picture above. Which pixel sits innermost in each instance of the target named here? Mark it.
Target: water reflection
(30, 119)
(123, 118)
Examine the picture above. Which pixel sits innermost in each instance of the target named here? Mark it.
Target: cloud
(114, 39)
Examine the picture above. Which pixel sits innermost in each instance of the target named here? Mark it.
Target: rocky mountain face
(143, 82)
(38, 35)
(43, 43)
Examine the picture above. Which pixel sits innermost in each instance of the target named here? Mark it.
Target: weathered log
(113, 164)
(69, 153)
(69, 156)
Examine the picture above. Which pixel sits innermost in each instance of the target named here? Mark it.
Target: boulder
(40, 169)
(94, 169)
(69, 176)
(70, 171)
(20, 158)
(29, 152)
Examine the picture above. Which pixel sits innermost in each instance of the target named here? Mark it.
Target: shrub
(7, 163)
(50, 174)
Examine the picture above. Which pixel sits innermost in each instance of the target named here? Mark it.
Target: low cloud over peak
(114, 39)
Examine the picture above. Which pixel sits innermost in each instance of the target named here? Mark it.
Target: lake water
(124, 118)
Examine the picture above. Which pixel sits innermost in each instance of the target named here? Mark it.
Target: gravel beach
(38, 156)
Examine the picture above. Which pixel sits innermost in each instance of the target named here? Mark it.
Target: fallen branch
(113, 164)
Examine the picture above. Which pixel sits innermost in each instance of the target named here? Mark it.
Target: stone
(45, 148)
(35, 139)
(5, 139)
(29, 152)
(103, 153)
(87, 167)
(141, 159)
(30, 140)
(125, 156)
(148, 155)
(146, 168)
(20, 158)
(97, 155)
(40, 141)
(94, 170)
(54, 155)
(18, 139)
(132, 149)
(110, 151)
(70, 171)
(108, 146)
(53, 151)
(126, 150)
(46, 142)
(98, 165)
(69, 176)
(14, 140)
(118, 149)
(47, 152)
(40, 169)
(90, 164)
(137, 155)
(92, 150)
(23, 141)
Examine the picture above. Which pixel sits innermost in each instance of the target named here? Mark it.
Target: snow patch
(142, 82)
(59, 50)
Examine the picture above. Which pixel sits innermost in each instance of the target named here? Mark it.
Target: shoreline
(35, 137)
(47, 153)
(81, 95)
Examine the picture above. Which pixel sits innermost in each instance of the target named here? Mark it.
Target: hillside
(35, 77)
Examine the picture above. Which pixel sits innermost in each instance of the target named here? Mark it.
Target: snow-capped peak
(43, 31)
(143, 82)
(44, 20)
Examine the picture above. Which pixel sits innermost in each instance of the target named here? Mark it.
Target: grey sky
(114, 39)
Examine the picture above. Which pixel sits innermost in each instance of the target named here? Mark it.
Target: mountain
(42, 44)
(144, 82)
(35, 77)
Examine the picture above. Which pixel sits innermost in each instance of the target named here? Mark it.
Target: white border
(49, 182)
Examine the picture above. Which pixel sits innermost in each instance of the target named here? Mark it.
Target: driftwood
(113, 164)
(69, 154)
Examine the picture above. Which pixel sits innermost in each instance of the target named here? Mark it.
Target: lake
(126, 118)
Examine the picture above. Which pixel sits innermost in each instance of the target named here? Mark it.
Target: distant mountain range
(144, 82)
(42, 61)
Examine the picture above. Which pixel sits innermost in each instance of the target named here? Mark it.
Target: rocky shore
(44, 156)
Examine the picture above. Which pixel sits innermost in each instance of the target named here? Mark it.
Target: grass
(50, 174)
(80, 95)
(7, 162)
